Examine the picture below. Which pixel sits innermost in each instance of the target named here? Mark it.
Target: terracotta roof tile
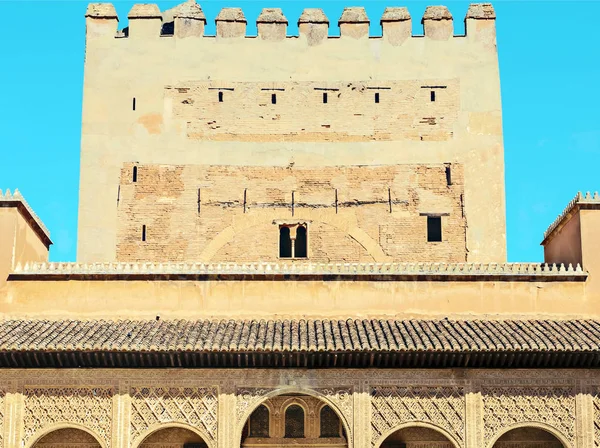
(301, 335)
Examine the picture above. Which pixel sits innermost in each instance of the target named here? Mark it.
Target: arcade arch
(294, 419)
(417, 436)
(62, 437)
(528, 437)
(173, 437)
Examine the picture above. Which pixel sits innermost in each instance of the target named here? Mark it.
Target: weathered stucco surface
(179, 120)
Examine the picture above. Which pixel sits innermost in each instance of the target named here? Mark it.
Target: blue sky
(550, 74)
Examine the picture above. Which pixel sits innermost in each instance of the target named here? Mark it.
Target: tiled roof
(310, 337)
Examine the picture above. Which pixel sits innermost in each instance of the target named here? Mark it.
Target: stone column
(361, 431)
(473, 417)
(121, 418)
(584, 412)
(227, 418)
(13, 419)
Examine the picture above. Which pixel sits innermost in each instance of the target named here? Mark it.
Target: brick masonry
(196, 213)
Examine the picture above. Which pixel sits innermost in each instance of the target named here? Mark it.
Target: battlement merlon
(146, 21)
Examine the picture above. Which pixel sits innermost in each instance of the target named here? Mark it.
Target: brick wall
(225, 111)
(198, 213)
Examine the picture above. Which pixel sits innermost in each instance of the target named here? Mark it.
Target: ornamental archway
(174, 436)
(528, 437)
(67, 437)
(418, 436)
(294, 419)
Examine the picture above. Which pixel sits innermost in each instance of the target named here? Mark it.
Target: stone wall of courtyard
(469, 408)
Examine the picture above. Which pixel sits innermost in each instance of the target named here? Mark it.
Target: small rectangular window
(134, 174)
(324, 97)
(448, 176)
(133, 103)
(432, 96)
(144, 232)
(434, 229)
(273, 98)
(220, 97)
(377, 97)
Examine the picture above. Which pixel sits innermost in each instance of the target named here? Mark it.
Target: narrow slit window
(273, 98)
(134, 174)
(285, 242)
(448, 176)
(432, 96)
(133, 103)
(300, 248)
(434, 229)
(144, 232)
(324, 97)
(376, 97)
(220, 97)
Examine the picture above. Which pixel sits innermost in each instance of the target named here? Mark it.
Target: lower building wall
(445, 408)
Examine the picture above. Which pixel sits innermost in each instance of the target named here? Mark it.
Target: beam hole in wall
(434, 229)
(144, 232)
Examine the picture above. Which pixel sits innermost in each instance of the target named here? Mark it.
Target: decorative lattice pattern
(329, 423)
(88, 406)
(506, 406)
(294, 422)
(393, 405)
(259, 422)
(195, 406)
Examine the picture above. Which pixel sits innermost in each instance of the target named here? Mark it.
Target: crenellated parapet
(188, 20)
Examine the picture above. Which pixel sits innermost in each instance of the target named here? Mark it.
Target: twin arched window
(293, 248)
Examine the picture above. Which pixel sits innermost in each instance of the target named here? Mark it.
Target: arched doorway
(294, 419)
(173, 437)
(67, 437)
(417, 437)
(528, 437)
